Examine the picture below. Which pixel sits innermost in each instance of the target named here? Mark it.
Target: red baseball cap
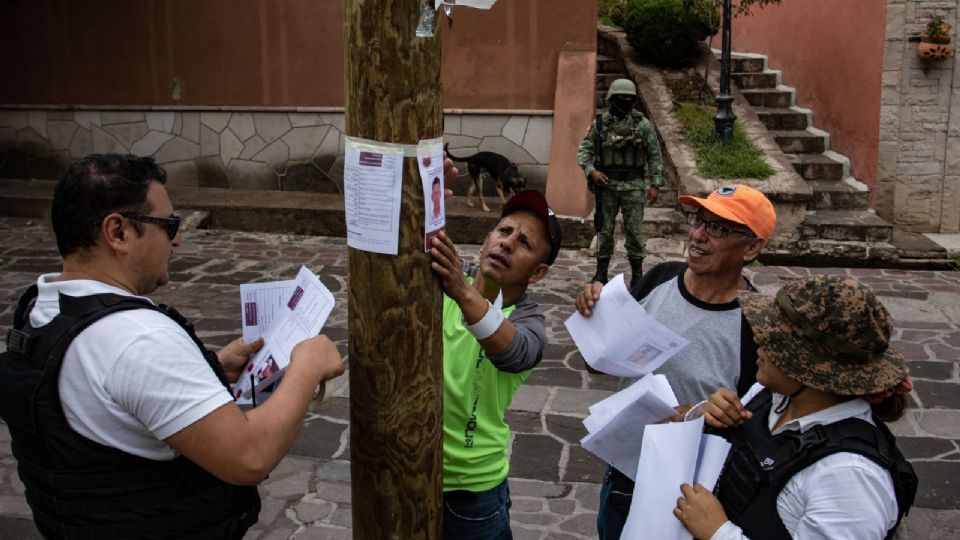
(741, 204)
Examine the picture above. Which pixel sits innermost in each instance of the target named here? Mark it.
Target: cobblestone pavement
(553, 481)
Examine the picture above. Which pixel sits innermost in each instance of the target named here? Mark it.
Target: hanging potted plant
(934, 40)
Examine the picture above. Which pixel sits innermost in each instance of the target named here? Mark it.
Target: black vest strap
(760, 464)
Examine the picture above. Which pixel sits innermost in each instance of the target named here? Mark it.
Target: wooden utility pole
(393, 95)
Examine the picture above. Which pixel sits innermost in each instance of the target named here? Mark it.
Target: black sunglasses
(170, 224)
(713, 228)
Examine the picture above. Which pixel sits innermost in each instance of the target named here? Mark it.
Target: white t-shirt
(131, 379)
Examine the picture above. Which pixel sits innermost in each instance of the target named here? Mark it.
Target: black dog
(503, 171)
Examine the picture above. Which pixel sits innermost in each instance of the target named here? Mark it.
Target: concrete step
(610, 64)
(663, 222)
(764, 79)
(781, 97)
(746, 62)
(845, 225)
(848, 194)
(792, 118)
(823, 166)
(808, 141)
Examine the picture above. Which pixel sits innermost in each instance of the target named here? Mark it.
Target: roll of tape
(324, 392)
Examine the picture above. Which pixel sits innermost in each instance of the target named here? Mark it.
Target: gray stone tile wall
(919, 167)
(301, 151)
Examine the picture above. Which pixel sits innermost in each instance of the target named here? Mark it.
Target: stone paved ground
(554, 482)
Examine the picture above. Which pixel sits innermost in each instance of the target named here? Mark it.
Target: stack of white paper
(616, 425)
(672, 454)
(307, 304)
(620, 337)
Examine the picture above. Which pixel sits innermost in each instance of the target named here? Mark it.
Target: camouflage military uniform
(631, 152)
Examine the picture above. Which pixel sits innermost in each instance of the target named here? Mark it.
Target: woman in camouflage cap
(826, 377)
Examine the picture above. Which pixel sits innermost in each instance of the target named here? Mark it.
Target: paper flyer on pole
(372, 184)
(430, 162)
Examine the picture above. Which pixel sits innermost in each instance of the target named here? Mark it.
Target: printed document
(672, 454)
(372, 182)
(616, 425)
(430, 161)
(301, 317)
(620, 338)
(260, 303)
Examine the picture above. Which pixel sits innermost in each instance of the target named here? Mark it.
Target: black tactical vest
(80, 489)
(760, 464)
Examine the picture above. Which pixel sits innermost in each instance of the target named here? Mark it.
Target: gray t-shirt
(721, 344)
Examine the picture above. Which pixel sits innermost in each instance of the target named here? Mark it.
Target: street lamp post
(724, 119)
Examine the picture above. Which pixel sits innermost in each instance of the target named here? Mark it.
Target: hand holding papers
(620, 337)
(302, 316)
(674, 453)
(616, 424)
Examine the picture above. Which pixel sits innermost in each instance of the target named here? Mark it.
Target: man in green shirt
(618, 154)
(493, 335)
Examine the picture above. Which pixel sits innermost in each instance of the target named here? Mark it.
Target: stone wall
(919, 166)
(273, 150)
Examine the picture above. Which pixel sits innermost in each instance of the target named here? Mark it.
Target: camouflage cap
(827, 332)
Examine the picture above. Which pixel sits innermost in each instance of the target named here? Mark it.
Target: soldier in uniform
(619, 154)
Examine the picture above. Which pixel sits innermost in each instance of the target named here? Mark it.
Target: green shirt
(475, 396)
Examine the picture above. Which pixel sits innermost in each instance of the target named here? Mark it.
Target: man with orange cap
(698, 300)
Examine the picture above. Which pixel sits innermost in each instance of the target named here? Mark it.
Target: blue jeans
(616, 494)
(477, 515)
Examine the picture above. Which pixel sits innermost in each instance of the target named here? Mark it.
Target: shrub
(611, 11)
(666, 32)
(737, 158)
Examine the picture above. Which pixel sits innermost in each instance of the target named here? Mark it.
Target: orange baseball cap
(741, 204)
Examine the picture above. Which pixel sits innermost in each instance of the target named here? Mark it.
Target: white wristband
(487, 325)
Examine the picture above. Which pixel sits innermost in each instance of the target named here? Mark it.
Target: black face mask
(620, 107)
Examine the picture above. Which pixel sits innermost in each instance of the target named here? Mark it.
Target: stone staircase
(839, 211)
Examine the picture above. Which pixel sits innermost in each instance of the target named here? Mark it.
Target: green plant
(738, 158)
(611, 11)
(666, 32)
(935, 28)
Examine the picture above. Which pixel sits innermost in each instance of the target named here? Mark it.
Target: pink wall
(832, 52)
(268, 53)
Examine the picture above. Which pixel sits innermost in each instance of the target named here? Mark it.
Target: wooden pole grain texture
(393, 95)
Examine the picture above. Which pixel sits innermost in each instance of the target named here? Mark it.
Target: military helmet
(623, 87)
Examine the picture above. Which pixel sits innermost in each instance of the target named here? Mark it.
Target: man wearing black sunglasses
(122, 422)
(698, 300)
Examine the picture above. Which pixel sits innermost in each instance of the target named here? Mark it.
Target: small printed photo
(269, 369)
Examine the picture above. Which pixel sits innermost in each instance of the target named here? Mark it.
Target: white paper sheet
(260, 303)
(620, 338)
(668, 459)
(713, 454)
(672, 454)
(302, 317)
(372, 181)
(430, 161)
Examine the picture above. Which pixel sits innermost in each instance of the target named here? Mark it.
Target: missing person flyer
(430, 161)
(301, 317)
